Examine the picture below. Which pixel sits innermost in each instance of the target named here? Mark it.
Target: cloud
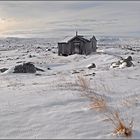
(64, 17)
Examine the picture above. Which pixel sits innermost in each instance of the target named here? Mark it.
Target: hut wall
(88, 48)
(77, 46)
(93, 44)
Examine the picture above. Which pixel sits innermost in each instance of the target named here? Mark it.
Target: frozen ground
(49, 105)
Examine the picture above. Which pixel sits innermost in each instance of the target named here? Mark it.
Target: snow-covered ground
(49, 104)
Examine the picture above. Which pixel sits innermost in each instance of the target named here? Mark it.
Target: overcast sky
(61, 18)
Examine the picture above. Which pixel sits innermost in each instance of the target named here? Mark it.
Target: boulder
(49, 49)
(3, 69)
(123, 65)
(129, 58)
(30, 56)
(127, 62)
(92, 65)
(49, 68)
(115, 64)
(25, 68)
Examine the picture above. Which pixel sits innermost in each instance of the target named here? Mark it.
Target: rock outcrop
(127, 62)
(3, 70)
(26, 68)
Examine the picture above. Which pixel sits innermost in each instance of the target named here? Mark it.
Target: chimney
(76, 33)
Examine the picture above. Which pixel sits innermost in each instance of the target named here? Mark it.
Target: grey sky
(50, 19)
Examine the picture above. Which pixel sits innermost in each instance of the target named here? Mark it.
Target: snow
(67, 38)
(50, 105)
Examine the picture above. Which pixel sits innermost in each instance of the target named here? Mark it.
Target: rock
(91, 74)
(114, 65)
(30, 56)
(129, 58)
(38, 47)
(49, 49)
(81, 70)
(74, 72)
(128, 61)
(92, 65)
(129, 64)
(123, 63)
(49, 68)
(132, 53)
(25, 68)
(9, 59)
(3, 69)
(38, 69)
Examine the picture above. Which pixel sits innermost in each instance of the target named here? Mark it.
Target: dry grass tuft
(98, 103)
(83, 82)
(121, 129)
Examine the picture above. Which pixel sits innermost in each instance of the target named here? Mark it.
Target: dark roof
(79, 37)
(94, 37)
(69, 38)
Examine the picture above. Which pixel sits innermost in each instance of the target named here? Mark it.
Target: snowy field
(50, 104)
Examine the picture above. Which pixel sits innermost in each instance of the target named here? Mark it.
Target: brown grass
(98, 103)
(121, 127)
(83, 82)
